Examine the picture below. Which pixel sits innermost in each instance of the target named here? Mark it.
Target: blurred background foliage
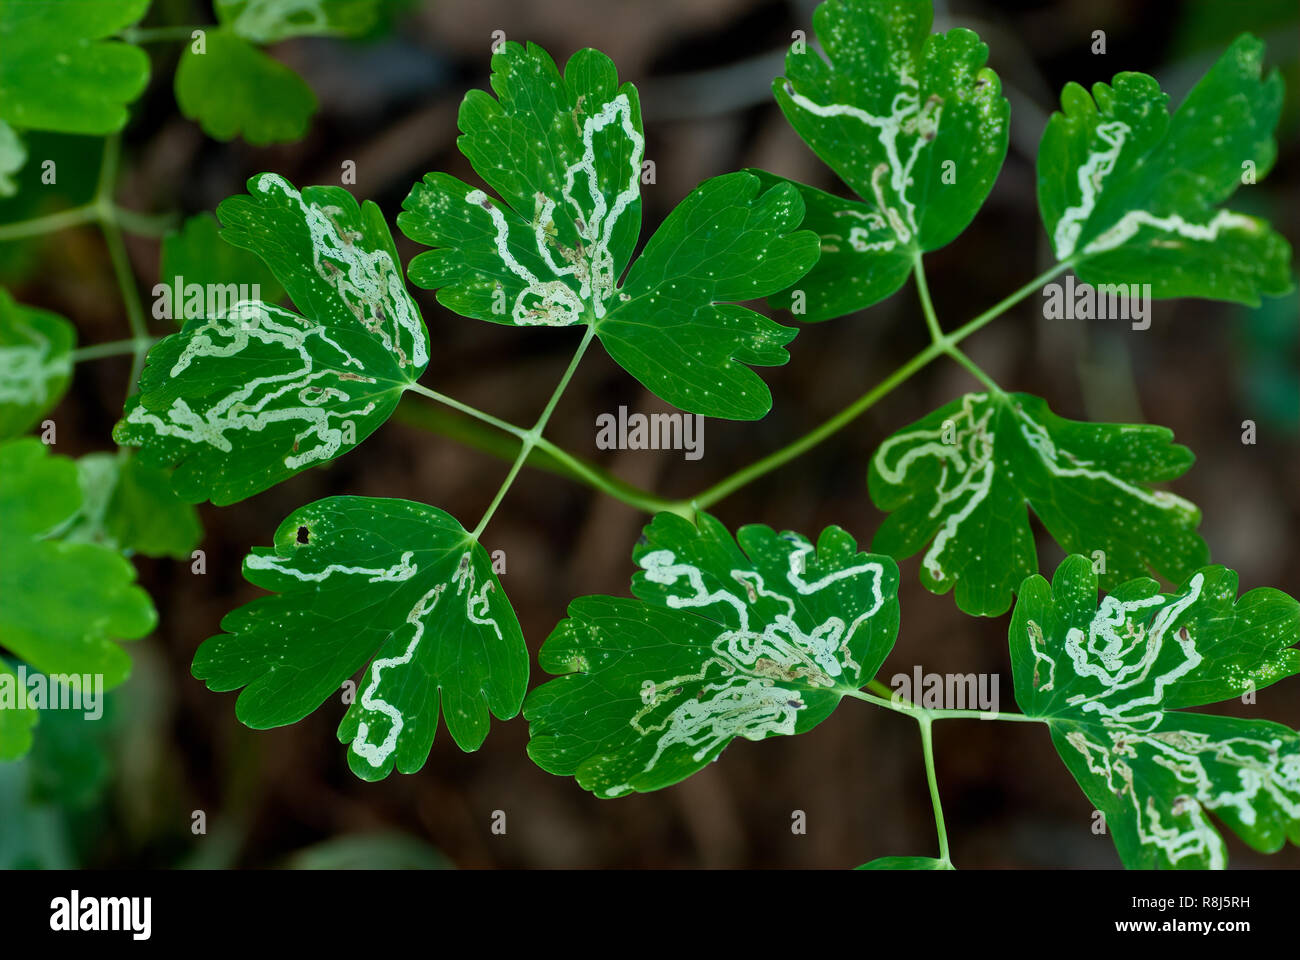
(124, 791)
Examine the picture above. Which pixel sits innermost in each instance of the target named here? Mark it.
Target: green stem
(865, 402)
(1009, 301)
(49, 224)
(927, 305)
(114, 349)
(503, 441)
(159, 34)
(607, 483)
(927, 746)
(468, 410)
(143, 224)
(885, 697)
(531, 437)
(648, 501)
(815, 436)
(103, 203)
(973, 368)
(880, 689)
(131, 221)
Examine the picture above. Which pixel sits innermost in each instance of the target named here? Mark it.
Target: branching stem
(160, 34)
(115, 348)
(891, 701)
(941, 345)
(531, 437)
(927, 747)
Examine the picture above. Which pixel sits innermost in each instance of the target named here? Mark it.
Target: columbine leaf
(17, 720)
(244, 399)
(397, 585)
(564, 153)
(197, 254)
(961, 477)
(13, 154)
(58, 73)
(66, 605)
(912, 121)
(1131, 192)
(751, 637)
(1106, 678)
(270, 21)
(130, 506)
(233, 89)
(675, 333)
(906, 863)
(35, 363)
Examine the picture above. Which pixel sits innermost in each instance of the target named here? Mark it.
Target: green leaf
(197, 254)
(17, 720)
(253, 394)
(1107, 678)
(906, 863)
(912, 121)
(751, 637)
(390, 583)
(66, 604)
(35, 363)
(961, 477)
(852, 272)
(233, 89)
(565, 154)
(1131, 192)
(270, 21)
(675, 334)
(389, 850)
(13, 154)
(59, 73)
(130, 506)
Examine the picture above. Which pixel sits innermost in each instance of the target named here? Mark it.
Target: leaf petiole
(51, 223)
(531, 437)
(858, 407)
(686, 507)
(947, 344)
(927, 306)
(108, 225)
(468, 410)
(884, 697)
(927, 747)
(160, 34)
(974, 369)
(114, 348)
(131, 221)
(503, 441)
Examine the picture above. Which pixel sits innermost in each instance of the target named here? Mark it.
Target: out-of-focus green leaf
(35, 363)
(59, 72)
(233, 89)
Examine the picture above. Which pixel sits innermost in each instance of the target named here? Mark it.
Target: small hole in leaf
(304, 535)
